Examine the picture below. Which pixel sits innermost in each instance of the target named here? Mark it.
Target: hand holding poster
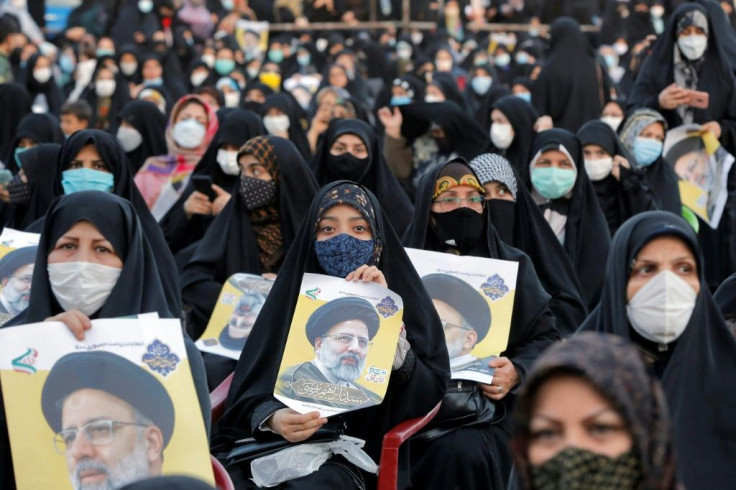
(341, 346)
(112, 409)
(18, 252)
(702, 165)
(474, 298)
(236, 310)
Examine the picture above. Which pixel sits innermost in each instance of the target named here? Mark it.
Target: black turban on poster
(341, 310)
(113, 374)
(462, 297)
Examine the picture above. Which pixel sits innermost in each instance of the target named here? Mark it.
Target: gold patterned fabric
(456, 174)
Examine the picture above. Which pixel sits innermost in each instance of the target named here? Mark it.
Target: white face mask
(188, 133)
(613, 121)
(620, 48)
(105, 88)
(198, 77)
(661, 309)
(42, 75)
(599, 169)
(228, 161)
(128, 69)
(232, 99)
(129, 138)
(82, 285)
(443, 65)
(208, 59)
(693, 47)
(276, 124)
(502, 135)
(433, 98)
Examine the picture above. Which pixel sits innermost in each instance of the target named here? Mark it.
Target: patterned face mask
(19, 192)
(342, 254)
(578, 469)
(256, 193)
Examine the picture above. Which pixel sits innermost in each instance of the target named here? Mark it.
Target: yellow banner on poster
(240, 301)
(341, 346)
(474, 297)
(114, 408)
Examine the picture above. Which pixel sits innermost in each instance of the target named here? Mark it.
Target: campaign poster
(341, 346)
(702, 165)
(474, 297)
(114, 408)
(17, 258)
(240, 301)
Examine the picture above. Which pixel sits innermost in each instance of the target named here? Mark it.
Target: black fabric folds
(39, 166)
(572, 87)
(522, 116)
(521, 225)
(413, 390)
(16, 103)
(236, 127)
(377, 177)
(715, 75)
(145, 117)
(114, 156)
(139, 289)
(229, 245)
(701, 364)
(587, 239)
(619, 199)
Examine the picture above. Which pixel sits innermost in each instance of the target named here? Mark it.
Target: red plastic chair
(218, 398)
(222, 478)
(388, 468)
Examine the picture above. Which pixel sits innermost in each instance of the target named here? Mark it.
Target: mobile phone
(203, 184)
(699, 100)
(5, 176)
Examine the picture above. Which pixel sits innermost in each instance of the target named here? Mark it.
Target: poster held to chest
(474, 297)
(341, 346)
(235, 313)
(112, 409)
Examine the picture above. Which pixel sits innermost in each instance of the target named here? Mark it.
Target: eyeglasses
(452, 203)
(98, 433)
(347, 339)
(446, 325)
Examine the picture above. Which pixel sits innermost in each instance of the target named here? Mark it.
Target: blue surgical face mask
(647, 150)
(104, 52)
(481, 85)
(522, 58)
(275, 55)
(553, 182)
(66, 63)
(343, 254)
(400, 100)
(86, 179)
(17, 153)
(224, 67)
(527, 96)
(153, 82)
(304, 59)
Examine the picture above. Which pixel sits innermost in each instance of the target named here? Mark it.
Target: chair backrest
(222, 478)
(218, 397)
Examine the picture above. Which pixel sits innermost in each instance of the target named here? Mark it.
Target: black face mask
(19, 192)
(346, 166)
(256, 193)
(443, 145)
(459, 229)
(503, 214)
